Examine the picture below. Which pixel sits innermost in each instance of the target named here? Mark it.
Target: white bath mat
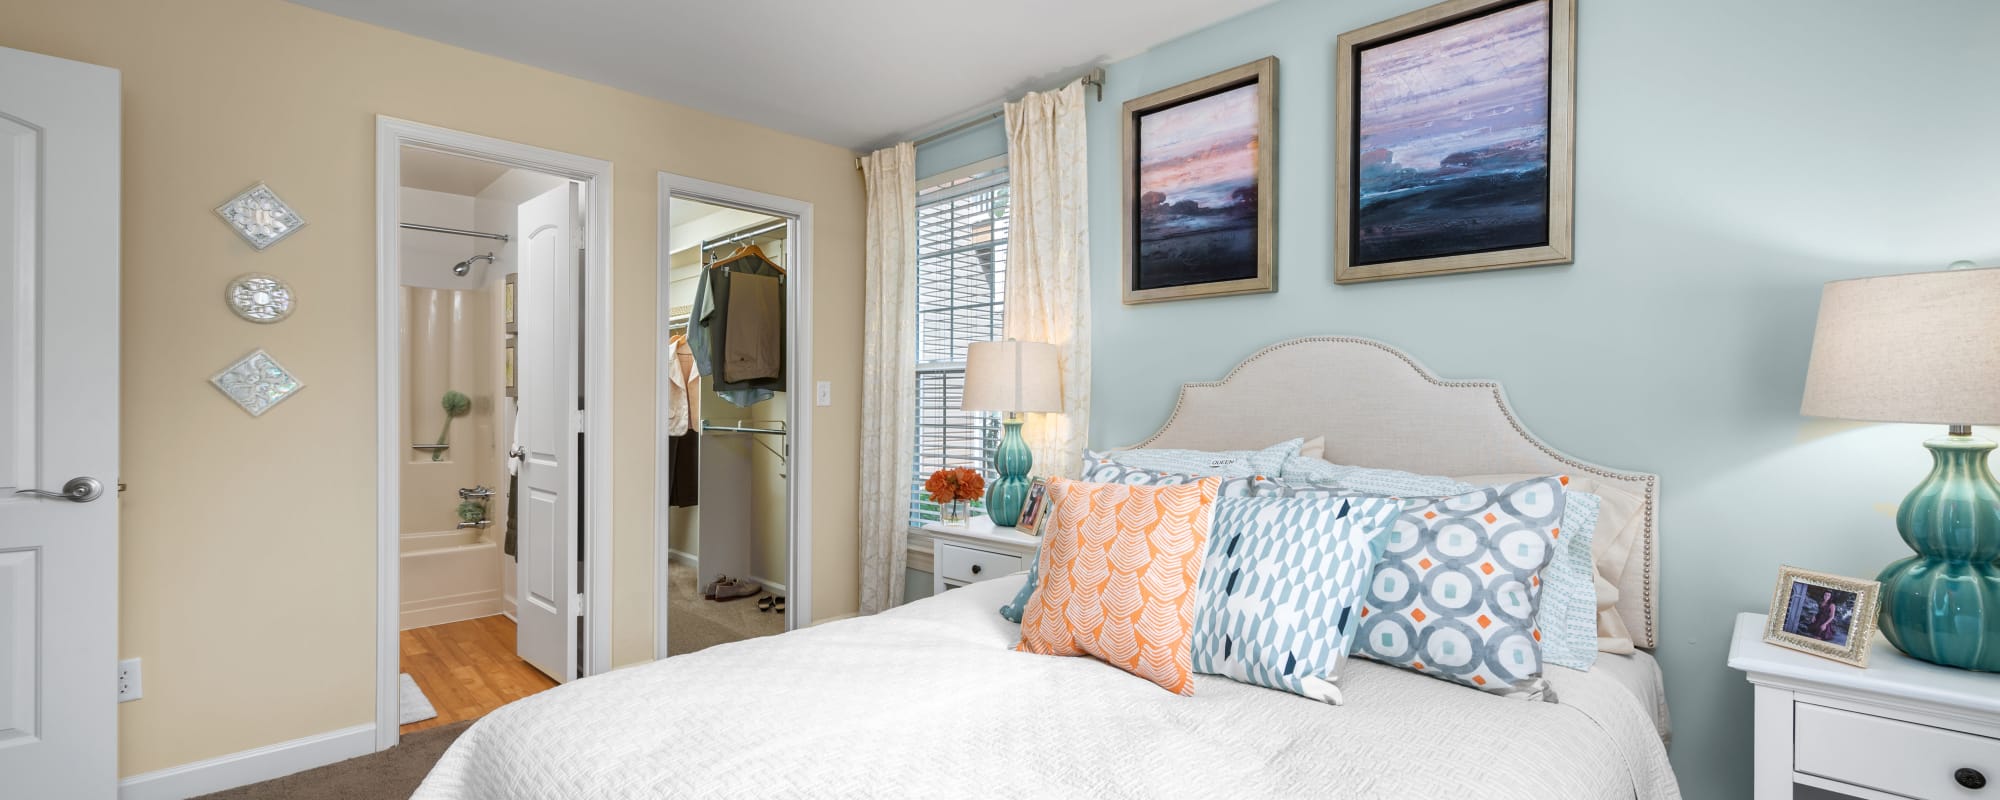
(415, 707)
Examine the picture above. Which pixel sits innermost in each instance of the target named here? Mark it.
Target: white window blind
(961, 292)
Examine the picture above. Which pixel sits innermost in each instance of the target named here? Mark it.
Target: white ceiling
(856, 73)
(439, 172)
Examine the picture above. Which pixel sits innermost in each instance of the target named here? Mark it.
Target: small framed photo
(1031, 508)
(507, 304)
(1825, 615)
(513, 390)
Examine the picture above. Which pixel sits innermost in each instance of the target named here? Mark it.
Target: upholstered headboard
(1378, 407)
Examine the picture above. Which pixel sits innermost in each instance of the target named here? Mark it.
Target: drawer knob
(975, 571)
(1970, 778)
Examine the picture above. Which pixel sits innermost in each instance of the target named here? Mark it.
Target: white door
(546, 359)
(58, 425)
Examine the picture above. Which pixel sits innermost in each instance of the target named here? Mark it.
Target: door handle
(77, 490)
(518, 453)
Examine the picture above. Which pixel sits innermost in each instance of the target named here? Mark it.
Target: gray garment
(708, 329)
(754, 339)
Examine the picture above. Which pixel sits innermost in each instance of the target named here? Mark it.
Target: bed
(928, 699)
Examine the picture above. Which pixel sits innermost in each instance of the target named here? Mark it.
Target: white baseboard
(250, 766)
(686, 559)
(453, 608)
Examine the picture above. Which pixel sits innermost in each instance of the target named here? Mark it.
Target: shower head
(463, 267)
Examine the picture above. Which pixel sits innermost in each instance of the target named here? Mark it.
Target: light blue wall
(1731, 157)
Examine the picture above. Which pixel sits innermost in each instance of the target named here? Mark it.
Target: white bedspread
(928, 701)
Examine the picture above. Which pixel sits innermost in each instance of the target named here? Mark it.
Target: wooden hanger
(748, 250)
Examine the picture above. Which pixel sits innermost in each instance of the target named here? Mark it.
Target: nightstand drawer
(969, 565)
(1891, 755)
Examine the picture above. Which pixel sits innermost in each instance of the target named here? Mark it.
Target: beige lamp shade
(1923, 347)
(1012, 376)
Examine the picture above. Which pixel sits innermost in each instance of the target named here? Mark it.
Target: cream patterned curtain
(1048, 275)
(888, 372)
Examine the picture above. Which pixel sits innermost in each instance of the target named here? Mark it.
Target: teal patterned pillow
(1281, 587)
(1012, 611)
(1454, 595)
(1268, 462)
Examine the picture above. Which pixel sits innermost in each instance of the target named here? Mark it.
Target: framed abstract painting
(1455, 130)
(1200, 187)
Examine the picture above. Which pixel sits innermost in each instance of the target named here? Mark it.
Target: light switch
(825, 393)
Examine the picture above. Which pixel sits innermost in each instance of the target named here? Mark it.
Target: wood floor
(468, 669)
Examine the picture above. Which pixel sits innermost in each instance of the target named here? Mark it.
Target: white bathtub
(450, 576)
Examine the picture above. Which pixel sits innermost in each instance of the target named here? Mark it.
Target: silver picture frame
(1800, 605)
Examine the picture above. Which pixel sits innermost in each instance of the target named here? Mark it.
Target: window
(961, 294)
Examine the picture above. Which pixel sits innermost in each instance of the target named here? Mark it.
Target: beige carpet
(392, 774)
(696, 623)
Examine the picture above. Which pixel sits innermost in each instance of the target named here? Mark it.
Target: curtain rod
(1094, 79)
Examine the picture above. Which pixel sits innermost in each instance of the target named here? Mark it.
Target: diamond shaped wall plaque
(257, 383)
(260, 217)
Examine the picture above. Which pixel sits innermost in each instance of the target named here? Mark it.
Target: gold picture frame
(1184, 249)
(1033, 507)
(507, 304)
(513, 389)
(1428, 177)
(1830, 616)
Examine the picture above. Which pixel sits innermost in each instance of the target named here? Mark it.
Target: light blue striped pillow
(1281, 589)
(1268, 462)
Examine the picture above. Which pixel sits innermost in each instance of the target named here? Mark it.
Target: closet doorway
(493, 381)
(735, 389)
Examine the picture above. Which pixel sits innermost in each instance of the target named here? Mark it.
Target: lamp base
(1942, 604)
(1006, 493)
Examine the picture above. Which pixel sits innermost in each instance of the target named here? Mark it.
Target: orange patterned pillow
(1119, 565)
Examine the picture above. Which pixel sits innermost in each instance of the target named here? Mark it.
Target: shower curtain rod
(435, 229)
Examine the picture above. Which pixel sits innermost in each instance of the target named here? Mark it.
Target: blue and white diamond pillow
(1281, 588)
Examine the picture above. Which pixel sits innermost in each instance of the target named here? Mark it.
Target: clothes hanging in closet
(683, 387)
(709, 329)
(684, 469)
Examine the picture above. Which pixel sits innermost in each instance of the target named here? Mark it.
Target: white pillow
(1268, 462)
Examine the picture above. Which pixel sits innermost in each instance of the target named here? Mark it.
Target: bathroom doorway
(492, 366)
(735, 391)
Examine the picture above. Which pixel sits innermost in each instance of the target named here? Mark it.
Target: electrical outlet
(129, 686)
(825, 397)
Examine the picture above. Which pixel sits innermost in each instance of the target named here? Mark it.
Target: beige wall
(248, 553)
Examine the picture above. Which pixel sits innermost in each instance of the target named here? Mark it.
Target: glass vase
(954, 512)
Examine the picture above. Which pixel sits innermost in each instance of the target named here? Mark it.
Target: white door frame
(391, 136)
(798, 389)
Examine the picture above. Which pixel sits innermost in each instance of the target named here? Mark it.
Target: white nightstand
(1901, 728)
(976, 551)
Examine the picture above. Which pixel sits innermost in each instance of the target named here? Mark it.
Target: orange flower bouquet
(953, 490)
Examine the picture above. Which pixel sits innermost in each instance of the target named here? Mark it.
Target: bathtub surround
(194, 574)
(1707, 218)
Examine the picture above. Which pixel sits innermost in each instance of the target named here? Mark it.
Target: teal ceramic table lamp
(1925, 347)
(1011, 377)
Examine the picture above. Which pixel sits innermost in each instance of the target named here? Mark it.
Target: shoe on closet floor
(737, 590)
(709, 590)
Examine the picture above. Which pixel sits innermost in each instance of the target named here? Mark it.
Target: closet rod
(707, 427)
(705, 245)
(435, 229)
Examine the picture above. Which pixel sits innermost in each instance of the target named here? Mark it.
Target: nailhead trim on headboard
(1651, 482)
